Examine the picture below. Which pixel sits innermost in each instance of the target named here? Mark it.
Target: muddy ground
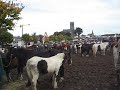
(86, 73)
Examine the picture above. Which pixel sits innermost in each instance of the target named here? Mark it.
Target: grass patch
(15, 85)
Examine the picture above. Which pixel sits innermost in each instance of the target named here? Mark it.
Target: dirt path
(86, 73)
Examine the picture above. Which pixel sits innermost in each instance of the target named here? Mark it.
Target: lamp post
(21, 26)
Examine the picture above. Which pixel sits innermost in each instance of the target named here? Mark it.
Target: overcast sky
(101, 16)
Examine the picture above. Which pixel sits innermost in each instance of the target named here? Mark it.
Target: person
(116, 50)
(116, 58)
(65, 46)
(118, 43)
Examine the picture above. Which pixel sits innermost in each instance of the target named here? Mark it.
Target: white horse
(101, 47)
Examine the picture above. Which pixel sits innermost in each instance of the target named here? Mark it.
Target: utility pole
(21, 26)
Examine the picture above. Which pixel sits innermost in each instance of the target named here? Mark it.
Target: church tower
(72, 29)
(92, 33)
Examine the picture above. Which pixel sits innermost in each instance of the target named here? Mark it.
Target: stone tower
(72, 29)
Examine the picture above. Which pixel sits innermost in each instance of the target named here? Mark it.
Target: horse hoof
(87, 55)
(28, 84)
(61, 79)
(82, 55)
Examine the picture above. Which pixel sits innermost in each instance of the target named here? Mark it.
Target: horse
(17, 58)
(86, 48)
(101, 47)
(38, 66)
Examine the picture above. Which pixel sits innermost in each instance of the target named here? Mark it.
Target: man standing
(116, 52)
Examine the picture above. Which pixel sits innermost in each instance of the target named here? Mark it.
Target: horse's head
(11, 58)
(11, 53)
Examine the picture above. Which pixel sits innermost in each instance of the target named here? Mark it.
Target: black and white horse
(37, 66)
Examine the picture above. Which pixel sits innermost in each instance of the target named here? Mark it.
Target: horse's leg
(20, 71)
(21, 76)
(34, 78)
(87, 54)
(76, 50)
(8, 74)
(70, 61)
(29, 77)
(28, 83)
(94, 52)
(61, 73)
(72, 50)
(117, 77)
(104, 52)
(54, 82)
(82, 53)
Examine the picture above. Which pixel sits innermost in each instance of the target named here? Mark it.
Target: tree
(34, 38)
(51, 38)
(68, 34)
(68, 38)
(26, 38)
(56, 33)
(40, 38)
(78, 31)
(60, 37)
(9, 13)
(6, 38)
